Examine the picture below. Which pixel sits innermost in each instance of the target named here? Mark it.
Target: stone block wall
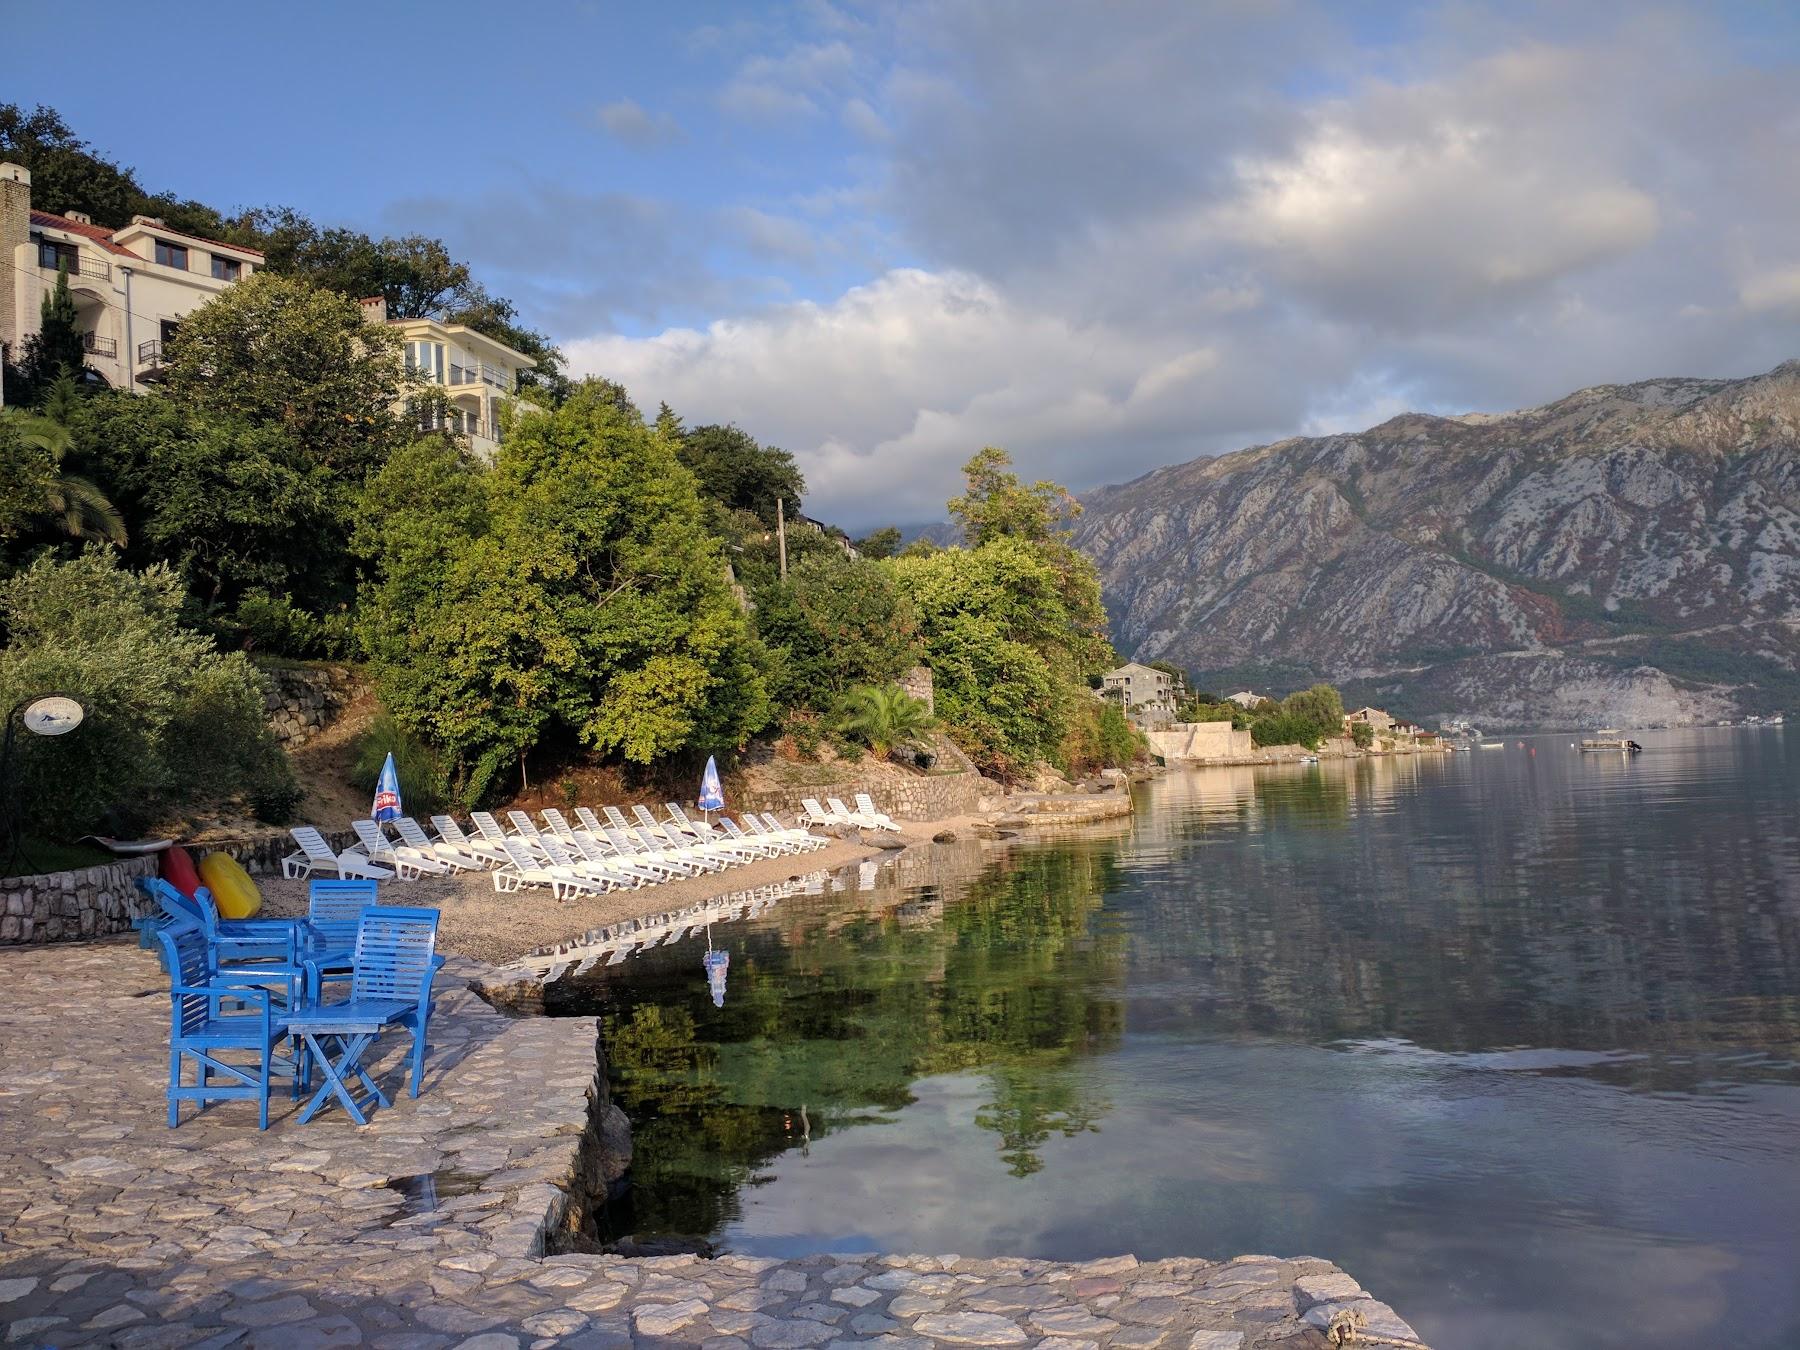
(56, 906)
(301, 701)
(924, 797)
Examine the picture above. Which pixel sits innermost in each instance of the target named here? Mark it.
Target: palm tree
(84, 509)
(883, 717)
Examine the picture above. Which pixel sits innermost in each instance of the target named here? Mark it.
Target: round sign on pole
(52, 715)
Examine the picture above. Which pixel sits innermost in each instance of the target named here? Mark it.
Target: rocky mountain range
(1627, 555)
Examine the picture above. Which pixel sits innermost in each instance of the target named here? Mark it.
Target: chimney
(149, 220)
(15, 233)
(374, 309)
(79, 217)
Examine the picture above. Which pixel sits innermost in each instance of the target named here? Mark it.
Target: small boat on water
(1615, 744)
(1492, 745)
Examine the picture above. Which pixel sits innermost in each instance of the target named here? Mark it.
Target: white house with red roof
(132, 286)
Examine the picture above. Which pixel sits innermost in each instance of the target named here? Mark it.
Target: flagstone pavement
(427, 1227)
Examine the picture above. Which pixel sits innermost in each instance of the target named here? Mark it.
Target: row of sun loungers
(593, 856)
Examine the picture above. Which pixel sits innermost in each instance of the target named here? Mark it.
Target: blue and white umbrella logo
(387, 792)
(712, 796)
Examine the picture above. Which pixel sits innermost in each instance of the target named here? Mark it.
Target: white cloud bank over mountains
(1119, 236)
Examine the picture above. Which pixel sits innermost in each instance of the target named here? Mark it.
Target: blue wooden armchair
(232, 939)
(392, 968)
(211, 1012)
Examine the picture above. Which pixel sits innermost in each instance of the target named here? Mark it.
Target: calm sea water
(1512, 1036)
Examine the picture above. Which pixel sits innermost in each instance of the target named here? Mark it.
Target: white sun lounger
(523, 869)
(451, 834)
(811, 813)
(410, 863)
(866, 805)
(413, 835)
(316, 855)
(805, 838)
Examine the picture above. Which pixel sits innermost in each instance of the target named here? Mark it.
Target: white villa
(132, 287)
(478, 375)
(1245, 698)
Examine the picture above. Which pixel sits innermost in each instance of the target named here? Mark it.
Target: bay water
(1512, 1035)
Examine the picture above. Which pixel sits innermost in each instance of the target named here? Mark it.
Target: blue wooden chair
(203, 1025)
(392, 967)
(232, 939)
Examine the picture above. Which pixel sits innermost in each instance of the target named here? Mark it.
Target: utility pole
(781, 536)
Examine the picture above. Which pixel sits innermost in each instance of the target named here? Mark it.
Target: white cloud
(885, 392)
(1778, 289)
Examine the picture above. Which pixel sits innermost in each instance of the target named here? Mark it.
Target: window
(226, 269)
(172, 255)
(427, 360)
(53, 255)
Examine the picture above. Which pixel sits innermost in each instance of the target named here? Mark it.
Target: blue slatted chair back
(394, 949)
(334, 909)
(189, 959)
(181, 911)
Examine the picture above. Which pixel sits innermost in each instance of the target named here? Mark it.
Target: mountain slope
(1628, 553)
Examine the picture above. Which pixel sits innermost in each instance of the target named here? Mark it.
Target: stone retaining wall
(91, 901)
(925, 797)
(54, 906)
(301, 701)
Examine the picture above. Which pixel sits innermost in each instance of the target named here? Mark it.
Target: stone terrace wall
(301, 701)
(925, 797)
(91, 901)
(54, 906)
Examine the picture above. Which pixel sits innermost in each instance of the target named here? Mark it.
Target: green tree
(836, 622)
(992, 626)
(997, 504)
(882, 543)
(55, 351)
(170, 720)
(74, 501)
(741, 475)
(883, 717)
(280, 353)
(569, 591)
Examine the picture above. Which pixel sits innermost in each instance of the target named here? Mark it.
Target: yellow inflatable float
(232, 890)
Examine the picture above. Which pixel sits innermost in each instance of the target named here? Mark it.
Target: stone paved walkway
(426, 1228)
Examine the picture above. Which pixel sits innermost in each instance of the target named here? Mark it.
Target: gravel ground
(480, 922)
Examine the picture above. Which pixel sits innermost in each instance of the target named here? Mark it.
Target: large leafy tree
(569, 592)
(836, 622)
(280, 352)
(245, 467)
(1011, 626)
(738, 473)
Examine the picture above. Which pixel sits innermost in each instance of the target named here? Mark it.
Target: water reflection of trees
(836, 1008)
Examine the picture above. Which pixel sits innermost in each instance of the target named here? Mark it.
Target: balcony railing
(150, 356)
(481, 373)
(95, 267)
(100, 346)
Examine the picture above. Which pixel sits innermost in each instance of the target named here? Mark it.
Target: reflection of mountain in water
(838, 1005)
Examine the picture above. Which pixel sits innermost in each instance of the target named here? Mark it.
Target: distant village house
(1140, 687)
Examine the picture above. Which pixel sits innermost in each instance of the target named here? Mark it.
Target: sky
(1104, 236)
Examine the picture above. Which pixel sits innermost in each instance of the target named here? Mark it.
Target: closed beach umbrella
(712, 797)
(387, 792)
(716, 964)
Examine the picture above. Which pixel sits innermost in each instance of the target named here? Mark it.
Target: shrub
(1099, 737)
(423, 785)
(1362, 734)
(171, 720)
(275, 624)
